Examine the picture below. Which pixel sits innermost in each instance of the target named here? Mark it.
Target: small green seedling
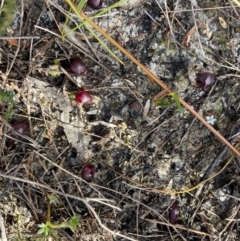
(48, 227)
(169, 100)
(166, 101)
(52, 199)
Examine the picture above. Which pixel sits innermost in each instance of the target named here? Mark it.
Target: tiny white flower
(211, 119)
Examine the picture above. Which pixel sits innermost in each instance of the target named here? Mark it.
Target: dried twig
(181, 227)
(217, 160)
(2, 228)
(188, 35)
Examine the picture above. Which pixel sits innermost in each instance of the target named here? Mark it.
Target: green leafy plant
(166, 101)
(169, 100)
(48, 227)
(6, 97)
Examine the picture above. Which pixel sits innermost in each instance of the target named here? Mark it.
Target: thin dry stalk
(2, 228)
(103, 226)
(20, 37)
(234, 9)
(200, 9)
(237, 2)
(19, 42)
(231, 219)
(198, 36)
(36, 184)
(29, 201)
(177, 226)
(67, 199)
(166, 14)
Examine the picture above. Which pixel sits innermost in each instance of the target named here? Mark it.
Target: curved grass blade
(115, 5)
(176, 99)
(75, 10)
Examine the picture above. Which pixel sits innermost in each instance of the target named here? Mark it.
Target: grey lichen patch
(213, 105)
(128, 4)
(163, 170)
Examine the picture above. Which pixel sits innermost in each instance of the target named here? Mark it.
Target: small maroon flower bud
(19, 127)
(83, 97)
(88, 171)
(76, 66)
(174, 213)
(95, 4)
(204, 80)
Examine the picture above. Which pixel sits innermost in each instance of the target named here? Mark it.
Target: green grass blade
(74, 9)
(115, 5)
(175, 98)
(81, 5)
(103, 44)
(95, 16)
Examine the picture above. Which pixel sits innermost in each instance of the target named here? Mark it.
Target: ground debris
(133, 132)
